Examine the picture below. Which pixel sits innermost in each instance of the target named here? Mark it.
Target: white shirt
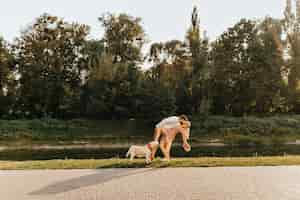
(169, 122)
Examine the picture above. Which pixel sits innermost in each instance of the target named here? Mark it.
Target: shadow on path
(101, 176)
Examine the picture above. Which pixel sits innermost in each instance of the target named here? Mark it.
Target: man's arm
(186, 146)
(184, 139)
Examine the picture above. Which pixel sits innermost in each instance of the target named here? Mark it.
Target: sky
(162, 19)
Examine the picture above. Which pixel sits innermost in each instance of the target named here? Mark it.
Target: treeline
(54, 70)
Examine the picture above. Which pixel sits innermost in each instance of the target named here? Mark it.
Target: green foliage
(54, 70)
(7, 83)
(199, 77)
(55, 131)
(124, 37)
(50, 63)
(247, 74)
(232, 130)
(140, 163)
(291, 24)
(246, 129)
(154, 102)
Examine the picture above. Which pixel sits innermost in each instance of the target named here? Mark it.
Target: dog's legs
(148, 157)
(128, 152)
(132, 155)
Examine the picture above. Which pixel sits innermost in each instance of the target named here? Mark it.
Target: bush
(242, 140)
(268, 126)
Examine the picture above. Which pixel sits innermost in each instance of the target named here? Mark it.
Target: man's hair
(185, 124)
(183, 117)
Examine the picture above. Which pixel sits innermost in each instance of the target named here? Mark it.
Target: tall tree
(51, 59)
(232, 67)
(7, 78)
(170, 62)
(268, 84)
(6, 60)
(172, 69)
(124, 37)
(291, 24)
(110, 90)
(247, 74)
(199, 78)
(95, 52)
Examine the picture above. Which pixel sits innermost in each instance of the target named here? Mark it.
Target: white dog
(142, 151)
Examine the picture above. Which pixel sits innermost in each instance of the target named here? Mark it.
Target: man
(169, 122)
(163, 132)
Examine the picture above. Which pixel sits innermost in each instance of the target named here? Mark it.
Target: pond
(101, 153)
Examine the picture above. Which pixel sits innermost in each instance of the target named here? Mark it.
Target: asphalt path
(229, 183)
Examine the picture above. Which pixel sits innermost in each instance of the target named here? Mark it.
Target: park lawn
(139, 163)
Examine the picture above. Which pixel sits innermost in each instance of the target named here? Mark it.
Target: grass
(139, 163)
(59, 132)
(231, 130)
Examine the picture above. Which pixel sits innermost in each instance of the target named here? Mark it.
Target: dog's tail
(128, 152)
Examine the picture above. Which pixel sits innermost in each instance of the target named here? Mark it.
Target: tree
(291, 24)
(51, 60)
(7, 86)
(95, 51)
(232, 69)
(269, 86)
(199, 76)
(6, 65)
(124, 37)
(170, 62)
(183, 67)
(247, 68)
(110, 90)
(172, 70)
(153, 100)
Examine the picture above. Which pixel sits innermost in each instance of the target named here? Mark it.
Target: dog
(142, 151)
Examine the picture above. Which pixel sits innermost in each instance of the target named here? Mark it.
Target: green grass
(231, 130)
(52, 131)
(124, 163)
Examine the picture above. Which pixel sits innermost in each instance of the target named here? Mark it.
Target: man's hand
(186, 147)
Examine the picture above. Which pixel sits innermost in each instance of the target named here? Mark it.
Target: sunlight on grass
(139, 163)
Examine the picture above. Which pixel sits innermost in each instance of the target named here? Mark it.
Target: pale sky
(162, 19)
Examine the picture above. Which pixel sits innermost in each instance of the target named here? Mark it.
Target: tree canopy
(55, 69)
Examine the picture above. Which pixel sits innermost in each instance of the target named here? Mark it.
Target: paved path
(248, 183)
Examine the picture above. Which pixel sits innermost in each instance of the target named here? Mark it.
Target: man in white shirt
(166, 130)
(169, 122)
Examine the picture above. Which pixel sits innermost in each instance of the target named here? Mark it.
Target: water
(101, 153)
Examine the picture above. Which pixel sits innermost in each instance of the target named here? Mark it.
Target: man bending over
(166, 131)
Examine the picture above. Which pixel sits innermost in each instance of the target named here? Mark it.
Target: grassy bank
(76, 131)
(231, 130)
(124, 163)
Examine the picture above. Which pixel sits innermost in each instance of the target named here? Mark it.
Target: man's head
(185, 128)
(184, 121)
(183, 117)
(185, 124)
